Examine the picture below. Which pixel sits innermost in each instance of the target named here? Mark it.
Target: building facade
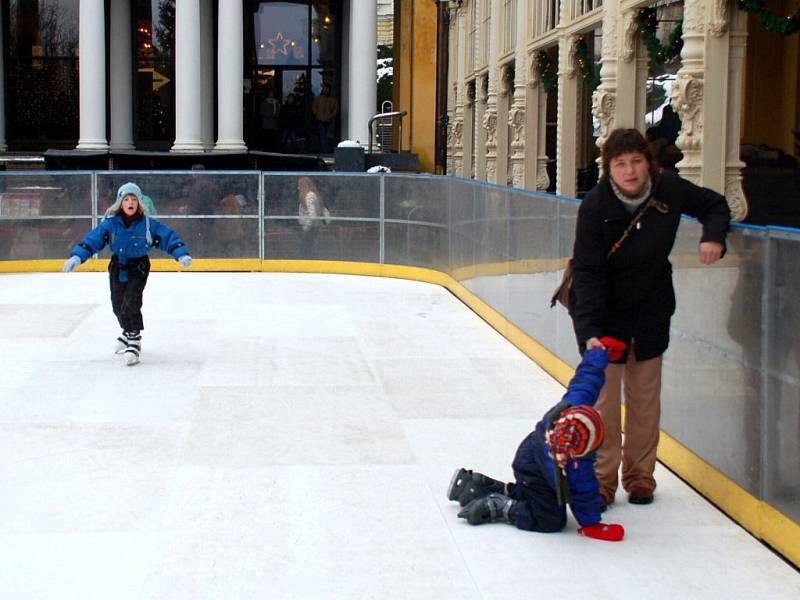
(180, 75)
(536, 85)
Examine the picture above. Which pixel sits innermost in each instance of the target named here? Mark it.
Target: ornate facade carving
(687, 100)
(455, 133)
(490, 125)
(630, 36)
(542, 178)
(516, 118)
(734, 194)
(604, 106)
(694, 16)
(718, 23)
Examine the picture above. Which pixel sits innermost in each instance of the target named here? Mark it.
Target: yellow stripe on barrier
(756, 516)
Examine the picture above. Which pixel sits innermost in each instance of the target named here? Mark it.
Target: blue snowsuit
(130, 265)
(538, 507)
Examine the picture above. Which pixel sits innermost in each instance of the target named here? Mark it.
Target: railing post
(261, 215)
(382, 222)
(95, 203)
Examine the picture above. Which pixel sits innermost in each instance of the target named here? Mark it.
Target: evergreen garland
(546, 78)
(589, 70)
(782, 25)
(647, 22)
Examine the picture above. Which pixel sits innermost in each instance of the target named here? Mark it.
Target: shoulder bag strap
(634, 221)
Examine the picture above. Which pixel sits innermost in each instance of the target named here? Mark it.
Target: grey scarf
(631, 204)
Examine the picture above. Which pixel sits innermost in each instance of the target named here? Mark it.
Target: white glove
(186, 261)
(71, 264)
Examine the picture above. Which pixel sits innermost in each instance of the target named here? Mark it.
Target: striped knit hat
(576, 433)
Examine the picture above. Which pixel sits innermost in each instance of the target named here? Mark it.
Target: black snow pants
(126, 296)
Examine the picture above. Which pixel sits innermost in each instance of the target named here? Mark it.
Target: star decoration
(279, 40)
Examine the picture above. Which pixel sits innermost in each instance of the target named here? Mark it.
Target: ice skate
(121, 344)
(467, 485)
(133, 347)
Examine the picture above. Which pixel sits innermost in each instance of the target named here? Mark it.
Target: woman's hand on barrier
(710, 252)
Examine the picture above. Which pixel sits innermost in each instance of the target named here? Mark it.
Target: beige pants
(642, 384)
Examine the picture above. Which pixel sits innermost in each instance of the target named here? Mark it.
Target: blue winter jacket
(131, 242)
(584, 388)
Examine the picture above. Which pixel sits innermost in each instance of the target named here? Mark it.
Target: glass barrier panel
(38, 194)
(33, 239)
(782, 371)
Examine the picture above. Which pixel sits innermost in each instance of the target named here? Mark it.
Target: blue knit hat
(124, 190)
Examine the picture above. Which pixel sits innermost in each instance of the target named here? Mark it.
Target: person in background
(622, 287)
(131, 234)
(290, 123)
(312, 214)
(324, 107)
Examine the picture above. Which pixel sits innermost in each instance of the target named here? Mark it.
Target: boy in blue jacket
(130, 233)
(554, 465)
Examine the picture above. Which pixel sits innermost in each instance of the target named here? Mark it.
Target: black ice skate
(494, 507)
(467, 485)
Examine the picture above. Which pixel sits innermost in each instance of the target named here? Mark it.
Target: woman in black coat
(628, 294)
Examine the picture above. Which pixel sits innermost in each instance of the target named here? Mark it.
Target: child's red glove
(614, 347)
(609, 532)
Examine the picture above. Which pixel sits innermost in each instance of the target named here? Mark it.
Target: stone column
(567, 129)
(188, 78)
(604, 99)
(92, 87)
(230, 95)
(624, 69)
(455, 151)
(3, 146)
(689, 89)
(207, 69)
(516, 116)
(121, 75)
(733, 164)
(362, 57)
(489, 120)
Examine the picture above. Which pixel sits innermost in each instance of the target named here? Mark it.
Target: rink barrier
(502, 251)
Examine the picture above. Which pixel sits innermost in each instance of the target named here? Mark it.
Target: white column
(567, 128)
(121, 74)
(207, 69)
(188, 80)
(230, 101)
(3, 147)
(604, 99)
(92, 87)
(362, 57)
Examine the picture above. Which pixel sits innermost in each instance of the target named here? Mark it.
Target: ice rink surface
(292, 436)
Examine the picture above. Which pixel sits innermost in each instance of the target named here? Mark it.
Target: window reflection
(281, 33)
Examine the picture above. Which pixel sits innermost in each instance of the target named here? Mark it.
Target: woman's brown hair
(621, 141)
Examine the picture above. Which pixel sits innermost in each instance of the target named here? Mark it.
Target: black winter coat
(630, 295)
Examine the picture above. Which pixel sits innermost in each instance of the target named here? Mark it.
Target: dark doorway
(291, 50)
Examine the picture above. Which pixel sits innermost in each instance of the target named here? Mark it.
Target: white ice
(292, 436)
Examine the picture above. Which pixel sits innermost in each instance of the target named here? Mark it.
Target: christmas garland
(589, 71)
(546, 78)
(647, 22)
(779, 24)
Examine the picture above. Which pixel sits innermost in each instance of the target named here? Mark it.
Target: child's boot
(494, 507)
(467, 485)
(133, 348)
